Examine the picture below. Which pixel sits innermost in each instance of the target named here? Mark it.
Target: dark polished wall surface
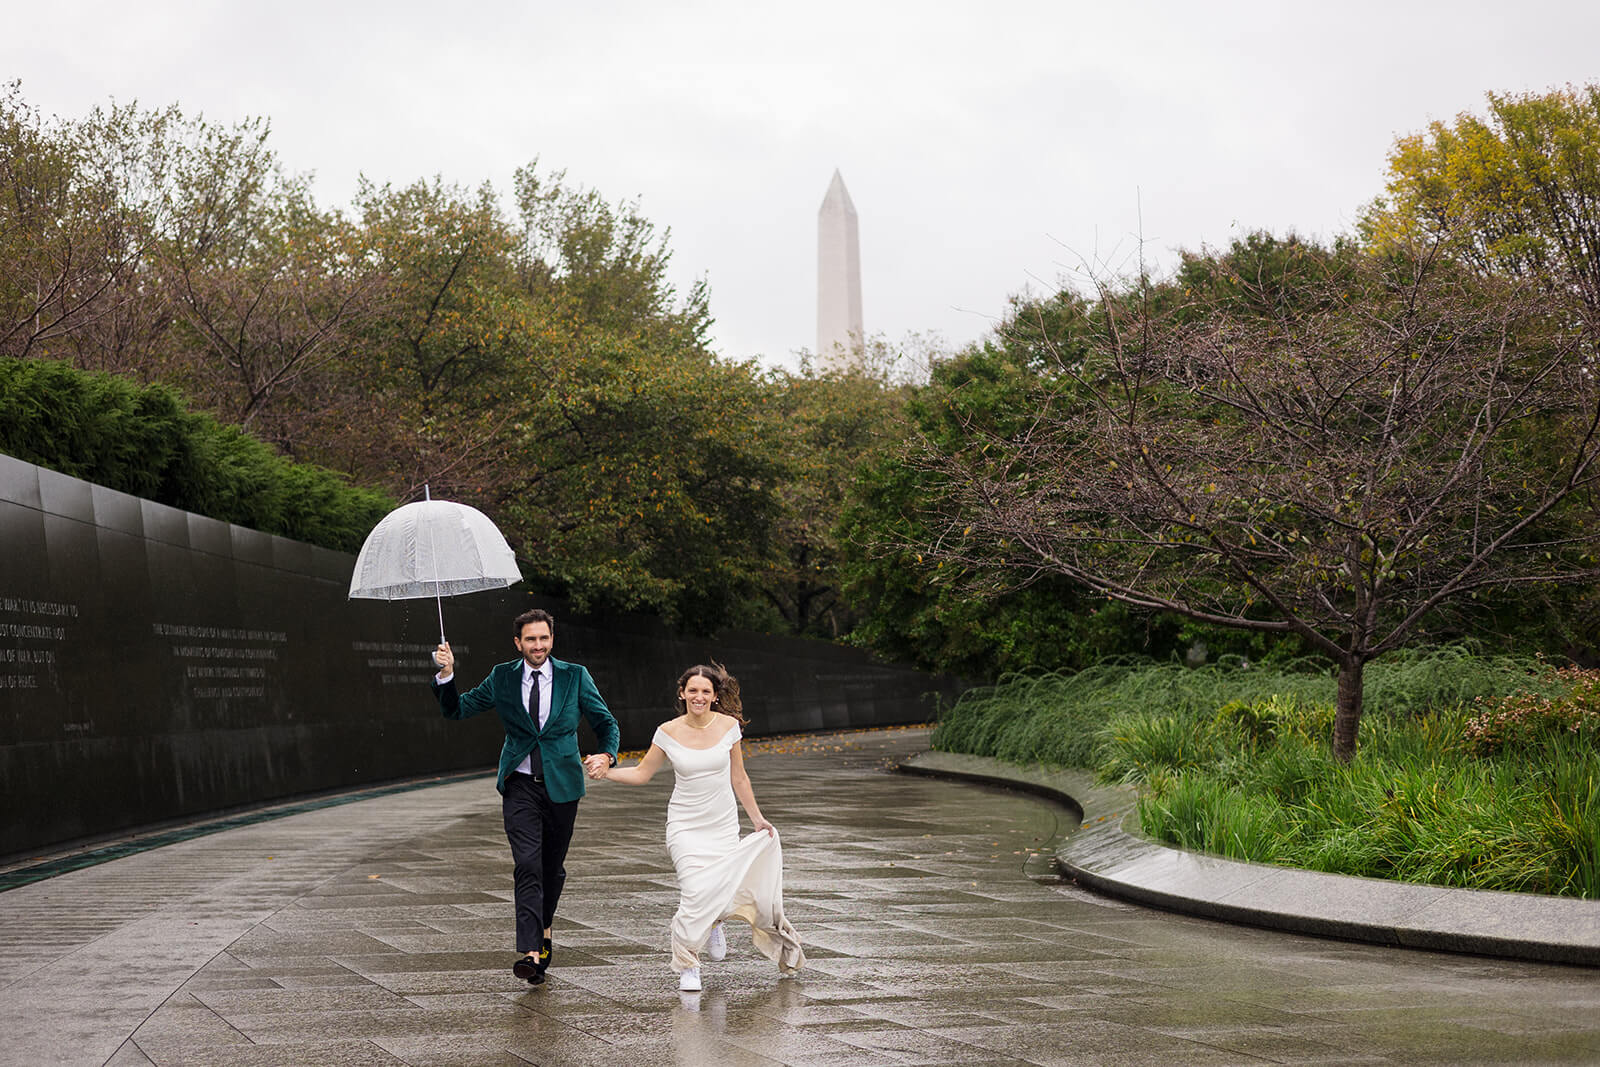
(158, 665)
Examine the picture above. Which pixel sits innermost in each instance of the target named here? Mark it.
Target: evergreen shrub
(143, 440)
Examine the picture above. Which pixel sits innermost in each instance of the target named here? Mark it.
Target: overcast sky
(987, 147)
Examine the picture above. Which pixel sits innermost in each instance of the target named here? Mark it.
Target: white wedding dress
(721, 876)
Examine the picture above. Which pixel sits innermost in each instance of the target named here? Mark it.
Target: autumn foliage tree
(536, 362)
(269, 293)
(1340, 449)
(1514, 193)
(76, 230)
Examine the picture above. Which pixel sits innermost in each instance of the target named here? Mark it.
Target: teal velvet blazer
(572, 695)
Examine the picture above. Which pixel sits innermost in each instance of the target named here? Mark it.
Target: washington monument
(840, 335)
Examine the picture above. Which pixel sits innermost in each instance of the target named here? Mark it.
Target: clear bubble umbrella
(434, 548)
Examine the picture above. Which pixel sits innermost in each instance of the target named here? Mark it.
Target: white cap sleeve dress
(721, 876)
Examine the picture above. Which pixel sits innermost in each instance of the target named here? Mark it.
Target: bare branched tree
(1338, 455)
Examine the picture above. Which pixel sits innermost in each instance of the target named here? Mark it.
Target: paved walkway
(378, 932)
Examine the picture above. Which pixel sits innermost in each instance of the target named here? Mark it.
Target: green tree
(550, 374)
(977, 616)
(451, 326)
(649, 479)
(604, 263)
(832, 422)
(426, 371)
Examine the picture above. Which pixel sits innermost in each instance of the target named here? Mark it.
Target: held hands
(597, 765)
(444, 659)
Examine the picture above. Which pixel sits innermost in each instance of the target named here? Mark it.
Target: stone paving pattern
(379, 932)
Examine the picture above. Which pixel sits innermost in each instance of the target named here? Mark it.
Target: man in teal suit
(539, 700)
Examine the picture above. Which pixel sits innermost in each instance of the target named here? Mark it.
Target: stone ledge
(1106, 857)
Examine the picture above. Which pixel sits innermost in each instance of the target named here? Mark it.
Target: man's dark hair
(533, 615)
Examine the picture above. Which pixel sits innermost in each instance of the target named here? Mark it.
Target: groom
(539, 699)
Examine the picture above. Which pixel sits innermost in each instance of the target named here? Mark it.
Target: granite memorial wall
(158, 665)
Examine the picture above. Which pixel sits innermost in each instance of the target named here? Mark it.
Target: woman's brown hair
(723, 684)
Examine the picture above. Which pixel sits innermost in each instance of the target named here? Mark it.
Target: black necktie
(535, 759)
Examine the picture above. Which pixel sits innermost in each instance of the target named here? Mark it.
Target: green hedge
(143, 440)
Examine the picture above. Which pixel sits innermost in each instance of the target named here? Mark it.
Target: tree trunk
(1347, 716)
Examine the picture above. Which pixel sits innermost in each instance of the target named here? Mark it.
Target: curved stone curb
(1103, 855)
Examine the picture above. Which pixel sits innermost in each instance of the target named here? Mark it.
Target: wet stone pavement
(379, 932)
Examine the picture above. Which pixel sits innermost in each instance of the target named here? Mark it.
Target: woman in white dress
(720, 876)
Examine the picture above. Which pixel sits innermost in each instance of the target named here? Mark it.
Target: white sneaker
(689, 981)
(717, 946)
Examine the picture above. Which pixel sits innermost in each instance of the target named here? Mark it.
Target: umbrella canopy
(433, 548)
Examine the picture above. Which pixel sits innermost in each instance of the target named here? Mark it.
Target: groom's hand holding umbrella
(444, 659)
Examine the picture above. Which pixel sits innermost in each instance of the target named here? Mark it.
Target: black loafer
(545, 953)
(527, 968)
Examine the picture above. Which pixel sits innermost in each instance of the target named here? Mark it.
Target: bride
(720, 876)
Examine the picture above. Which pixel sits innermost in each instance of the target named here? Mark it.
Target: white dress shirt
(536, 698)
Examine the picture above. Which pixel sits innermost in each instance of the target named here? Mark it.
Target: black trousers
(539, 831)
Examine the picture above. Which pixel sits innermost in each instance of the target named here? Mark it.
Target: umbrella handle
(438, 601)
